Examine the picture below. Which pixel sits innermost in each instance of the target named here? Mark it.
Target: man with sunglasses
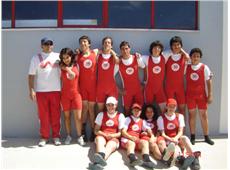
(44, 88)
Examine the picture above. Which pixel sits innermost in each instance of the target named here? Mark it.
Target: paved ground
(25, 154)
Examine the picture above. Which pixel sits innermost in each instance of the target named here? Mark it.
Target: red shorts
(150, 95)
(193, 102)
(88, 93)
(179, 93)
(113, 139)
(73, 102)
(124, 142)
(103, 93)
(133, 96)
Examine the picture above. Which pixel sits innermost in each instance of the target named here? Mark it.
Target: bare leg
(92, 114)
(144, 146)
(192, 121)
(100, 144)
(204, 121)
(101, 107)
(67, 117)
(110, 147)
(85, 108)
(77, 120)
(162, 107)
(155, 150)
(186, 143)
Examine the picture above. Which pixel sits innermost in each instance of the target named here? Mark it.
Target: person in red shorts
(131, 138)
(87, 63)
(150, 115)
(108, 125)
(107, 67)
(171, 125)
(175, 68)
(128, 69)
(44, 88)
(154, 76)
(198, 75)
(70, 96)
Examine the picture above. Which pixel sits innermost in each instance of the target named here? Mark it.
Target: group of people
(78, 80)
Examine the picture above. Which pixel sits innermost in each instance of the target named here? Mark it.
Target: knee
(184, 139)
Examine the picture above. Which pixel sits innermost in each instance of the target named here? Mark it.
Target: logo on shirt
(194, 76)
(87, 63)
(129, 71)
(156, 69)
(109, 123)
(135, 127)
(175, 67)
(105, 65)
(151, 125)
(171, 126)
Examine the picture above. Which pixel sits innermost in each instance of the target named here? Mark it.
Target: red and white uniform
(87, 79)
(174, 85)
(134, 127)
(70, 96)
(170, 124)
(106, 84)
(152, 124)
(154, 88)
(110, 123)
(128, 70)
(196, 77)
(45, 68)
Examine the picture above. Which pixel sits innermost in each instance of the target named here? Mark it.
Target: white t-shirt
(156, 60)
(168, 53)
(47, 72)
(116, 67)
(121, 119)
(128, 120)
(207, 71)
(129, 61)
(160, 122)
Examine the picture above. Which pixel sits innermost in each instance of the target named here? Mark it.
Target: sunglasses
(48, 43)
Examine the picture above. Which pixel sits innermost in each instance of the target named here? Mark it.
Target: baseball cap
(111, 100)
(45, 40)
(136, 105)
(171, 101)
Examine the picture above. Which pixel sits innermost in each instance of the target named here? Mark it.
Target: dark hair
(69, 52)
(105, 38)
(196, 50)
(156, 113)
(84, 37)
(124, 43)
(154, 44)
(176, 39)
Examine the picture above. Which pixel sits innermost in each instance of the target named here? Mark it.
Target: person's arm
(210, 90)
(70, 72)
(128, 136)
(179, 134)
(32, 93)
(185, 54)
(97, 131)
(115, 135)
(115, 57)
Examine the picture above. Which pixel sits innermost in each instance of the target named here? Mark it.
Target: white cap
(112, 100)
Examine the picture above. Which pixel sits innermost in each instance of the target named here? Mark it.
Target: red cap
(136, 105)
(171, 101)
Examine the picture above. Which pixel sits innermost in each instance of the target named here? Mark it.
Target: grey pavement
(24, 154)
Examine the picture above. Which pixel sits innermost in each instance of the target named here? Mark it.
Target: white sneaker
(57, 141)
(81, 141)
(68, 140)
(42, 142)
(169, 151)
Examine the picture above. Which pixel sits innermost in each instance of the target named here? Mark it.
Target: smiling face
(125, 51)
(66, 59)
(176, 47)
(195, 58)
(47, 47)
(107, 45)
(149, 113)
(136, 112)
(156, 51)
(111, 108)
(171, 108)
(84, 45)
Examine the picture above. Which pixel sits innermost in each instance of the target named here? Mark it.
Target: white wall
(19, 115)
